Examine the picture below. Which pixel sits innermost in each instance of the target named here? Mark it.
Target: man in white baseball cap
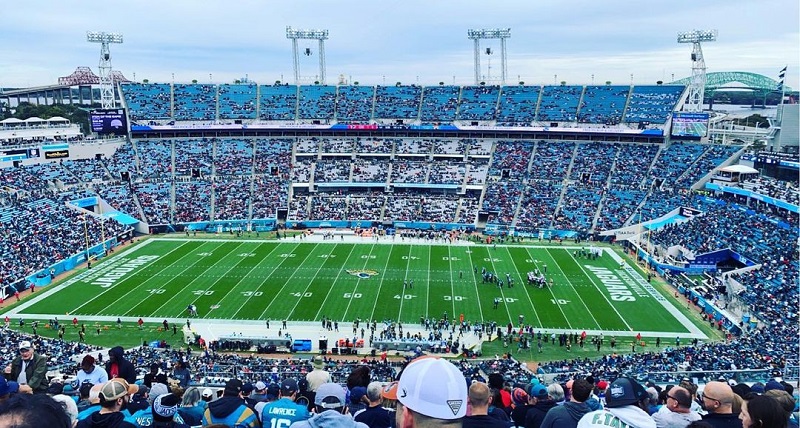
(431, 392)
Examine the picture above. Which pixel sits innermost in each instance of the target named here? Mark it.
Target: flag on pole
(782, 77)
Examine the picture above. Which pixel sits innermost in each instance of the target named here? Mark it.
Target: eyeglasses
(669, 396)
(706, 397)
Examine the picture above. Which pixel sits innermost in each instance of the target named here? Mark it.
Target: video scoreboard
(689, 125)
(109, 121)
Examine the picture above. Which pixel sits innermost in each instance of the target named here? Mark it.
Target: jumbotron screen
(689, 125)
(109, 121)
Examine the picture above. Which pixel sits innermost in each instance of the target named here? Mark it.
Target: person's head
(374, 396)
(32, 411)
(318, 363)
(581, 390)
(191, 397)
(783, 398)
(261, 388)
(69, 406)
(154, 368)
(87, 364)
(330, 397)
(625, 391)
(360, 376)
(116, 394)
(556, 392)
(157, 389)
(430, 392)
(7, 388)
(537, 392)
(115, 354)
(760, 411)
(233, 388)
(357, 395)
(94, 393)
(207, 395)
(678, 399)
(26, 350)
(479, 396)
(288, 388)
(717, 397)
(165, 407)
(519, 396)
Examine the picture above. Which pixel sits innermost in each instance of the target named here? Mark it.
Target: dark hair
(581, 390)
(360, 376)
(695, 424)
(682, 397)
(32, 411)
(765, 412)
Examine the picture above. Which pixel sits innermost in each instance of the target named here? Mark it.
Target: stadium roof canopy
(741, 169)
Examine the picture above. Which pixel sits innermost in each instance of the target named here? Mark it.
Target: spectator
(374, 416)
(787, 402)
(114, 396)
(230, 408)
(69, 406)
(432, 392)
(626, 401)
(676, 412)
(28, 369)
(358, 400)
(330, 406)
(480, 398)
(192, 407)
(568, 415)
(118, 367)
(165, 411)
(522, 404)
(284, 411)
(318, 376)
(89, 372)
(90, 400)
(759, 411)
(541, 404)
(33, 411)
(7, 388)
(717, 399)
(155, 375)
(181, 374)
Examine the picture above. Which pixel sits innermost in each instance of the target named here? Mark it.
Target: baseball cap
(773, 385)
(116, 388)
(25, 344)
(232, 387)
(433, 387)
(330, 396)
(390, 391)
(143, 389)
(165, 406)
(88, 360)
(207, 393)
(538, 391)
(624, 392)
(247, 388)
(602, 385)
(8, 387)
(273, 390)
(260, 386)
(288, 386)
(357, 393)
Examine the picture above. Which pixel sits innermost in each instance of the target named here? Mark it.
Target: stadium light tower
(106, 82)
(496, 33)
(321, 36)
(698, 84)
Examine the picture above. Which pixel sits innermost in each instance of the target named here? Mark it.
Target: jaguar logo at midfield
(362, 273)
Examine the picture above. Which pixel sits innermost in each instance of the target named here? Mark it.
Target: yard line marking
(475, 285)
(380, 284)
(246, 276)
(294, 272)
(341, 269)
(308, 284)
(524, 282)
(600, 290)
(502, 294)
(350, 301)
(547, 251)
(405, 278)
(128, 277)
(188, 285)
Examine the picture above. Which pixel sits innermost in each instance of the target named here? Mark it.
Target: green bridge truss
(752, 81)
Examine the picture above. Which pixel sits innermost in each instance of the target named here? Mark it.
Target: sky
(387, 41)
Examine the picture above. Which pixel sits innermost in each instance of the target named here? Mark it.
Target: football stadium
(531, 233)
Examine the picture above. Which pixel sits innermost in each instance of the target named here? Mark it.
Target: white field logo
(113, 275)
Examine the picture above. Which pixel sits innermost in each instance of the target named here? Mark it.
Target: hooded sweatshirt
(329, 419)
(105, 420)
(230, 410)
(630, 416)
(566, 416)
(535, 416)
(122, 367)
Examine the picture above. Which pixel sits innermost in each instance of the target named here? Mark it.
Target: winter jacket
(666, 418)
(125, 369)
(105, 420)
(535, 416)
(230, 411)
(723, 420)
(36, 371)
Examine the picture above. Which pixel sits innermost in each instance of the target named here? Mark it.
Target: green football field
(302, 281)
